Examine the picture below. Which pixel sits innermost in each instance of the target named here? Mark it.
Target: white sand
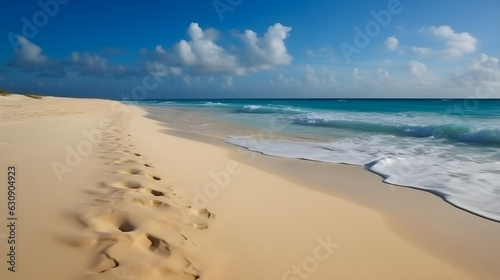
(131, 208)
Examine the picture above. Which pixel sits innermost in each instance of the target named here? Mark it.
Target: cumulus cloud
(30, 57)
(158, 69)
(283, 82)
(268, 51)
(91, 64)
(88, 63)
(29, 54)
(392, 43)
(480, 78)
(481, 69)
(363, 79)
(319, 76)
(457, 44)
(487, 68)
(421, 76)
(311, 78)
(415, 68)
(159, 50)
(199, 55)
(203, 56)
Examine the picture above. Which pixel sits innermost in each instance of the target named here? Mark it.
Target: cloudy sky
(251, 49)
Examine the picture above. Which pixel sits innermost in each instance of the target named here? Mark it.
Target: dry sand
(89, 206)
(133, 207)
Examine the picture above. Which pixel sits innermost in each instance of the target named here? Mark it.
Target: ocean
(450, 148)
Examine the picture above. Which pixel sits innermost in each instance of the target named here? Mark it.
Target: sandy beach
(103, 192)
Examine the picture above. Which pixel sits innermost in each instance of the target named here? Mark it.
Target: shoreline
(131, 209)
(383, 177)
(376, 180)
(220, 135)
(458, 215)
(459, 164)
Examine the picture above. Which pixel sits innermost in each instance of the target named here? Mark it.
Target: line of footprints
(135, 221)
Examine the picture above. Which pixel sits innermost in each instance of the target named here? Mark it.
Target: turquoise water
(448, 147)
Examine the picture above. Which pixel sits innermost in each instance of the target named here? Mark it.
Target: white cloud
(186, 55)
(268, 51)
(392, 43)
(30, 57)
(482, 69)
(420, 76)
(457, 44)
(29, 54)
(200, 55)
(319, 76)
(159, 50)
(89, 62)
(382, 73)
(283, 82)
(157, 69)
(416, 68)
(487, 67)
(160, 54)
(203, 56)
(310, 77)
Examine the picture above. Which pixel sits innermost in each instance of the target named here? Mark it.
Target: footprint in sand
(130, 184)
(133, 171)
(112, 227)
(155, 177)
(200, 226)
(123, 161)
(103, 262)
(157, 193)
(149, 202)
(158, 246)
(205, 213)
(136, 171)
(126, 226)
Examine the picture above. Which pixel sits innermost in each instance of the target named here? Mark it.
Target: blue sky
(251, 49)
